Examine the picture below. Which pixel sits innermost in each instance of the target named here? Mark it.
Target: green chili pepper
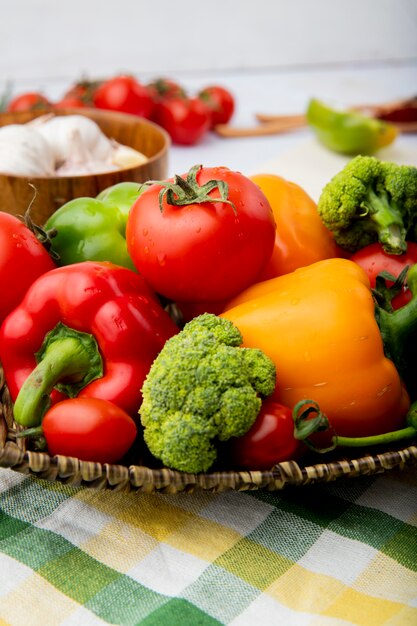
(94, 229)
(348, 132)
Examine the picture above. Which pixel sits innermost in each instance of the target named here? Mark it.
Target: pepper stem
(43, 236)
(68, 360)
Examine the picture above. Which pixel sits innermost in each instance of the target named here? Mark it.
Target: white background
(50, 39)
(273, 54)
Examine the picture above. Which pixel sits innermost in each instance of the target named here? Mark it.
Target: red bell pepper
(22, 259)
(91, 329)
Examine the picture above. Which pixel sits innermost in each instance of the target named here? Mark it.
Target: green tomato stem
(376, 440)
(398, 330)
(308, 419)
(186, 191)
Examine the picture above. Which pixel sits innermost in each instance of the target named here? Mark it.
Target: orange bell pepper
(301, 237)
(318, 325)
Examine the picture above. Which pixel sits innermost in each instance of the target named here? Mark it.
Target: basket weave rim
(140, 478)
(70, 470)
(75, 472)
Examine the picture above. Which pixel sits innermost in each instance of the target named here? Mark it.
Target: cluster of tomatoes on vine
(186, 118)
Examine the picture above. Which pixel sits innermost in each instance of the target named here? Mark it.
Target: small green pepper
(348, 132)
(94, 229)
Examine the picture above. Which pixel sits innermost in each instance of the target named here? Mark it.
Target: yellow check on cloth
(336, 554)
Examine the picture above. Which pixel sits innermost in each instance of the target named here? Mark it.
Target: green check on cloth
(336, 554)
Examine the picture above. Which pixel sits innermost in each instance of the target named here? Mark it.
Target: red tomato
(78, 95)
(269, 441)
(125, 94)
(374, 260)
(186, 120)
(22, 260)
(90, 429)
(202, 252)
(83, 89)
(78, 90)
(162, 88)
(70, 102)
(29, 101)
(220, 102)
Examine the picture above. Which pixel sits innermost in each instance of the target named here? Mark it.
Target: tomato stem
(383, 293)
(376, 440)
(309, 419)
(398, 330)
(305, 426)
(186, 191)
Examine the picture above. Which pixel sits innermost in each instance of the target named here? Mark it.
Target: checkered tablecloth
(333, 555)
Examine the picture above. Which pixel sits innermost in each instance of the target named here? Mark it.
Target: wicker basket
(15, 455)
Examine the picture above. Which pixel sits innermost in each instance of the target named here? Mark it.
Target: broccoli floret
(371, 200)
(202, 388)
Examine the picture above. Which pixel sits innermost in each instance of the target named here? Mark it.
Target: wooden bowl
(17, 192)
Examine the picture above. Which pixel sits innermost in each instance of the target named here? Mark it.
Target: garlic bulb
(65, 131)
(67, 145)
(24, 152)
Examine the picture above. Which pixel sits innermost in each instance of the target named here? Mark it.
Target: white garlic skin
(73, 168)
(61, 132)
(24, 152)
(66, 145)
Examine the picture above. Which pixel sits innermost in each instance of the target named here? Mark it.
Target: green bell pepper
(94, 229)
(348, 132)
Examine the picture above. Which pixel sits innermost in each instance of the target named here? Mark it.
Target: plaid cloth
(333, 555)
